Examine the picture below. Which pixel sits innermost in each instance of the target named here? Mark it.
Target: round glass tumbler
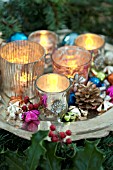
(20, 63)
(71, 60)
(55, 88)
(91, 42)
(48, 39)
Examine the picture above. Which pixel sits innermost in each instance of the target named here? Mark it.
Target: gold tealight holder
(91, 42)
(55, 87)
(20, 63)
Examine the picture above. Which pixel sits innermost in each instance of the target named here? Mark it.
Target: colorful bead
(95, 80)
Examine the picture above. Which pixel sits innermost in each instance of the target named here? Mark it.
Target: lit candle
(55, 87)
(91, 42)
(71, 60)
(47, 39)
(20, 63)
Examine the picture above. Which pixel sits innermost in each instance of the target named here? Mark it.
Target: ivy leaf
(51, 162)
(89, 158)
(35, 150)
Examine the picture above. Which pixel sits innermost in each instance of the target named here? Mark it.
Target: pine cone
(88, 97)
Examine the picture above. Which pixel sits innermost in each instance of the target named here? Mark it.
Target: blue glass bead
(69, 39)
(95, 80)
(17, 36)
(71, 99)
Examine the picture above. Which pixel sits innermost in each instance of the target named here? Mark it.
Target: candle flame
(89, 43)
(43, 40)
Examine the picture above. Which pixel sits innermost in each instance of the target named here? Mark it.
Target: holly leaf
(89, 158)
(36, 149)
(15, 161)
(51, 161)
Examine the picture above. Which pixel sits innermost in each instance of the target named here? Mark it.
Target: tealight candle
(91, 42)
(71, 60)
(55, 87)
(21, 62)
(48, 39)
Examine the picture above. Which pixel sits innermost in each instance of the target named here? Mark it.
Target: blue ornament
(103, 85)
(95, 80)
(71, 99)
(69, 39)
(17, 36)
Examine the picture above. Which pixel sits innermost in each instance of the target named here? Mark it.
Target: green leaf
(35, 150)
(89, 158)
(51, 162)
(15, 161)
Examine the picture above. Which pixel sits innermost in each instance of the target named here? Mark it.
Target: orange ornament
(110, 78)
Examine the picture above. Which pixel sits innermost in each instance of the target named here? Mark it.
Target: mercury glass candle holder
(71, 60)
(56, 88)
(20, 63)
(48, 39)
(91, 42)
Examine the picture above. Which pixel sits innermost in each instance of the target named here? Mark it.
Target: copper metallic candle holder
(20, 63)
(91, 42)
(71, 60)
(56, 88)
(48, 39)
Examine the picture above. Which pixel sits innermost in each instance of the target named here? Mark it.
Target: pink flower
(30, 116)
(37, 112)
(109, 91)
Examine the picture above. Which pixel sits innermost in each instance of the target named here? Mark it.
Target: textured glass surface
(92, 42)
(20, 63)
(47, 39)
(56, 88)
(71, 60)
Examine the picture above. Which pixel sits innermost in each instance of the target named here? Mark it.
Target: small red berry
(53, 127)
(68, 141)
(68, 132)
(26, 99)
(62, 135)
(30, 106)
(24, 108)
(54, 139)
(51, 134)
(36, 105)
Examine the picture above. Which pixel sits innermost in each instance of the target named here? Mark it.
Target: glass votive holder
(20, 63)
(48, 39)
(56, 88)
(91, 42)
(71, 60)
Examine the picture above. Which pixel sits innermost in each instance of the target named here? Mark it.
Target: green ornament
(98, 74)
(101, 75)
(67, 118)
